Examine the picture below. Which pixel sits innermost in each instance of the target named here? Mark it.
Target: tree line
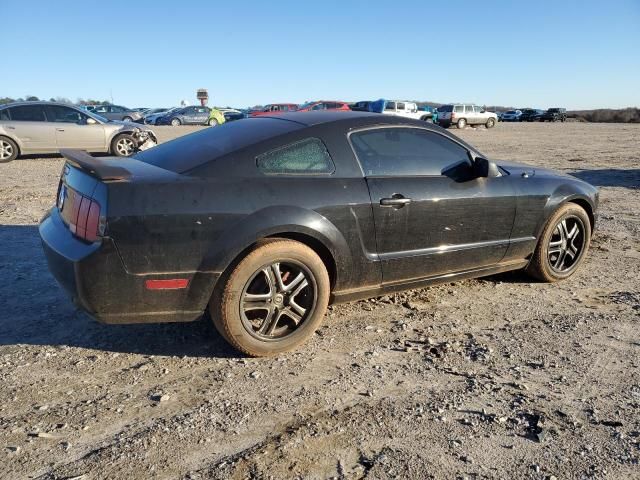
(33, 98)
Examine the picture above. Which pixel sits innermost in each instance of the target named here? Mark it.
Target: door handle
(60, 129)
(396, 201)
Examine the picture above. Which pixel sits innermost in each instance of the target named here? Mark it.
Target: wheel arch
(570, 193)
(294, 223)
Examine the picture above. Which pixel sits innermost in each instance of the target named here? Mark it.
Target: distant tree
(62, 100)
(6, 100)
(52, 99)
(32, 98)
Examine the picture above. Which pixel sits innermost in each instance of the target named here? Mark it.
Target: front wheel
(123, 145)
(490, 123)
(213, 122)
(8, 150)
(127, 119)
(273, 300)
(461, 123)
(563, 244)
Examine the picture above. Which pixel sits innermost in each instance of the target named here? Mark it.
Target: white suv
(462, 115)
(405, 109)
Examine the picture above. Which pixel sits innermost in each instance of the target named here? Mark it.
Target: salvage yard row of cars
(46, 127)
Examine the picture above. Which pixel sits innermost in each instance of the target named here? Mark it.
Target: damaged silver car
(46, 127)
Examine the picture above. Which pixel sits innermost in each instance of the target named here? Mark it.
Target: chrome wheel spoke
(560, 260)
(574, 231)
(292, 284)
(270, 323)
(293, 315)
(275, 268)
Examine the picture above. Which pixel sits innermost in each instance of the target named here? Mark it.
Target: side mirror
(91, 121)
(484, 168)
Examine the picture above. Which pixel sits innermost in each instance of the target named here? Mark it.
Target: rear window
(445, 108)
(191, 151)
(306, 157)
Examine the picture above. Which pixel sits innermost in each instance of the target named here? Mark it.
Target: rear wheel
(123, 145)
(213, 122)
(8, 150)
(490, 123)
(461, 123)
(176, 122)
(127, 119)
(563, 244)
(273, 300)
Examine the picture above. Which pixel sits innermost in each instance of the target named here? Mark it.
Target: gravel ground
(493, 378)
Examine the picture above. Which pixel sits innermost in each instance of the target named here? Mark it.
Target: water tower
(203, 96)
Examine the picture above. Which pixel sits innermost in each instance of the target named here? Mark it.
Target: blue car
(193, 115)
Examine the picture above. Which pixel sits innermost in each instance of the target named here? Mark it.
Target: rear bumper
(98, 283)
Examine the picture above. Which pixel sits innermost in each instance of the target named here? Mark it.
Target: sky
(143, 53)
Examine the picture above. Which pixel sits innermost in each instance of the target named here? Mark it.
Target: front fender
(569, 192)
(272, 221)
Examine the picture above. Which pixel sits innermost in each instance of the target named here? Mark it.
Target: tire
(8, 150)
(123, 145)
(541, 264)
(490, 123)
(127, 119)
(461, 123)
(213, 122)
(254, 276)
(175, 122)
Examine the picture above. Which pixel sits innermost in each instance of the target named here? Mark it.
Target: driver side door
(433, 216)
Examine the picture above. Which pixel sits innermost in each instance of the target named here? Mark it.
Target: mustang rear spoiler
(95, 166)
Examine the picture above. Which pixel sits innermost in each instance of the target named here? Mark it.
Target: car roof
(309, 119)
(39, 102)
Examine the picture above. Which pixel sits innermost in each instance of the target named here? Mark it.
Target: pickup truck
(554, 115)
(400, 108)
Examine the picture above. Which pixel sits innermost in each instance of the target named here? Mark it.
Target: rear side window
(445, 108)
(28, 113)
(306, 157)
(390, 106)
(4, 114)
(458, 108)
(406, 152)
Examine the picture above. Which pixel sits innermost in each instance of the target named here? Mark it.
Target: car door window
(390, 106)
(400, 106)
(407, 152)
(458, 109)
(100, 109)
(4, 114)
(60, 114)
(115, 109)
(306, 157)
(318, 106)
(28, 113)
(468, 108)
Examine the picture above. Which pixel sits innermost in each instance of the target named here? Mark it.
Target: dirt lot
(493, 378)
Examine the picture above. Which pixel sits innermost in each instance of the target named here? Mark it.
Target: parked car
(511, 116)
(323, 105)
(462, 115)
(264, 222)
(193, 115)
(274, 109)
(554, 115)
(531, 115)
(400, 108)
(150, 111)
(116, 112)
(47, 127)
(150, 118)
(231, 114)
(362, 106)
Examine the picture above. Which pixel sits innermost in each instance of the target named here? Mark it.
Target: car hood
(118, 125)
(515, 168)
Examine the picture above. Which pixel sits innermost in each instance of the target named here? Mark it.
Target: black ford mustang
(265, 221)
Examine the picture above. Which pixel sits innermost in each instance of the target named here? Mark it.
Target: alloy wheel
(277, 300)
(6, 150)
(566, 244)
(125, 147)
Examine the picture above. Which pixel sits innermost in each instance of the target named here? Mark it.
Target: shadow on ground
(36, 311)
(610, 177)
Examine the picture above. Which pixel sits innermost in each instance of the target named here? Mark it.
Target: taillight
(85, 221)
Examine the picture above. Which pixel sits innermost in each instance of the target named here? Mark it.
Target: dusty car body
(266, 220)
(47, 127)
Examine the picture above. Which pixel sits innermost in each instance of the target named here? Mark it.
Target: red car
(323, 105)
(275, 108)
